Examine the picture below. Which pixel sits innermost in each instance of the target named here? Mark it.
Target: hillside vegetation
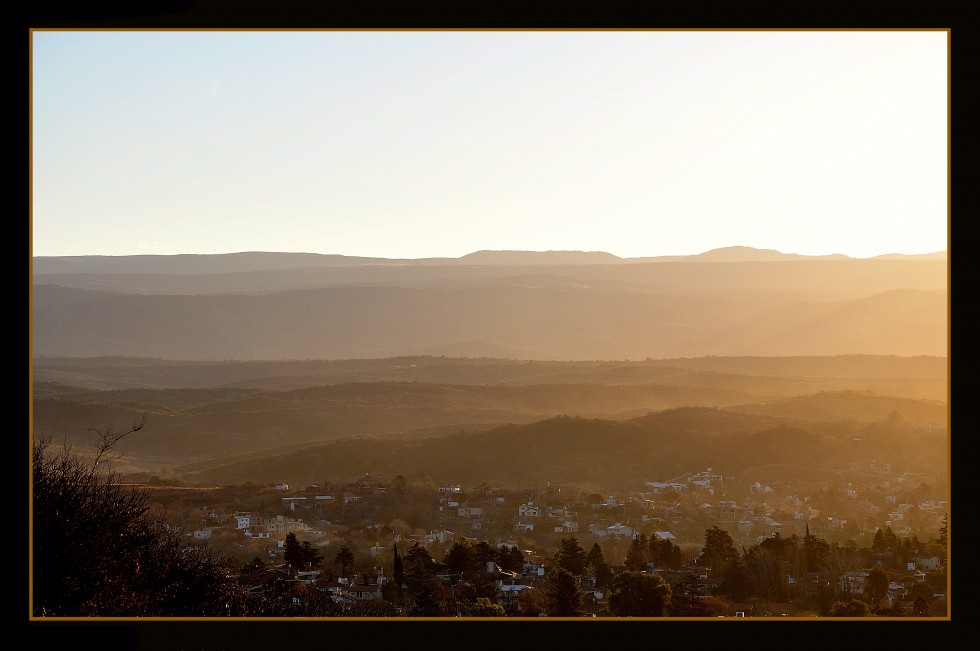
(218, 433)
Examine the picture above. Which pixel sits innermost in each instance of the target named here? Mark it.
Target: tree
(920, 607)
(459, 558)
(531, 602)
(310, 557)
(735, 579)
(600, 569)
(510, 559)
(399, 485)
(876, 585)
(293, 551)
(420, 566)
(636, 555)
(718, 550)
(345, 559)
(762, 567)
(637, 594)
(878, 543)
(486, 608)
(850, 608)
(563, 595)
(920, 590)
(571, 556)
(685, 600)
(96, 551)
(813, 549)
(398, 570)
(718, 546)
(483, 553)
(838, 563)
(664, 553)
(301, 556)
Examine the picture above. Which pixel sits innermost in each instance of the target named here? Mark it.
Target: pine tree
(345, 559)
(571, 556)
(563, 594)
(637, 554)
(293, 552)
(398, 570)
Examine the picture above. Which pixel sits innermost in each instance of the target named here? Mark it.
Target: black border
(224, 14)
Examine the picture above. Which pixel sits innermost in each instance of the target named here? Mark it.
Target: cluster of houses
(750, 513)
(762, 511)
(370, 586)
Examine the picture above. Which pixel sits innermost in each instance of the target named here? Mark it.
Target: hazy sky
(410, 144)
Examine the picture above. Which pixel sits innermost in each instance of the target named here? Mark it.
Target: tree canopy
(97, 552)
(637, 594)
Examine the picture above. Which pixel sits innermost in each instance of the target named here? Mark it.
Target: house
(772, 525)
(926, 562)
(243, 520)
(660, 487)
(307, 577)
(524, 526)
(561, 513)
(665, 535)
(441, 536)
(282, 487)
(202, 534)
(853, 582)
(529, 510)
(364, 591)
(291, 502)
(508, 594)
(367, 481)
(619, 530)
(704, 478)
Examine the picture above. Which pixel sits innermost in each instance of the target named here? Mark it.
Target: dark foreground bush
(97, 553)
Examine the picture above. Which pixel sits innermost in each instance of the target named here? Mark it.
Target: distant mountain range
(516, 304)
(267, 261)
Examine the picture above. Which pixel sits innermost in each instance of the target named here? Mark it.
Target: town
(730, 548)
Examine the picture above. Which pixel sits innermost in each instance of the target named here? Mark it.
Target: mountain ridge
(191, 263)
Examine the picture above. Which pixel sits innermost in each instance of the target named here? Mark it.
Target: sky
(415, 144)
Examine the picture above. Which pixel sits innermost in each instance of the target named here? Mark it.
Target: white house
(529, 510)
(704, 478)
(659, 486)
(619, 530)
(291, 502)
(927, 562)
